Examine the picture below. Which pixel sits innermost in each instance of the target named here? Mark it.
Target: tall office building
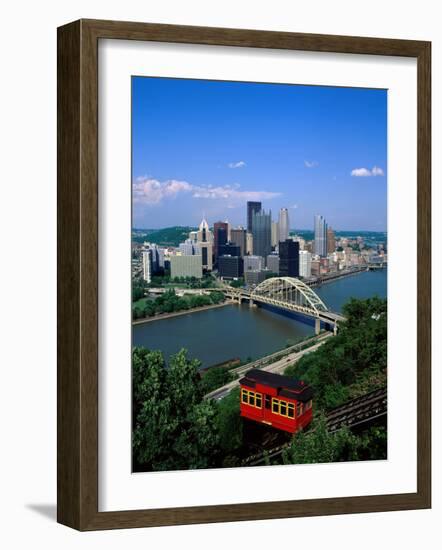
(253, 263)
(205, 244)
(186, 266)
(273, 263)
(320, 246)
(262, 233)
(156, 256)
(305, 264)
(289, 258)
(189, 248)
(331, 241)
(230, 267)
(220, 236)
(238, 237)
(283, 224)
(252, 207)
(147, 265)
(275, 234)
(229, 249)
(249, 243)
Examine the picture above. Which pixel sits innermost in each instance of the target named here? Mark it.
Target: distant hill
(168, 236)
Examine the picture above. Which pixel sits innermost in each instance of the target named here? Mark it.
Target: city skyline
(206, 148)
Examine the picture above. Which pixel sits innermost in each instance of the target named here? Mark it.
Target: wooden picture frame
(78, 274)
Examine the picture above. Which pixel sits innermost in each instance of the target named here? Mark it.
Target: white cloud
(311, 163)
(239, 164)
(150, 191)
(365, 172)
(376, 171)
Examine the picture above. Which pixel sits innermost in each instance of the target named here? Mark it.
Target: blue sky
(206, 147)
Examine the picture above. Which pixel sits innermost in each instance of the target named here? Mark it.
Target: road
(277, 367)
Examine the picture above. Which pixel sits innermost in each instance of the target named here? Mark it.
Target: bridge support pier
(335, 329)
(251, 304)
(317, 326)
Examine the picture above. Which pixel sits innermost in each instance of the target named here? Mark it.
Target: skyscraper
(320, 247)
(262, 233)
(305, 263)
(147, 265)
(205, 244)
(331, 241)
(220, 236)
(229, 249)
(283, 224)
(252, 207)
(238, 236)
(289, 259)
(275, 234)
(230, 267)
(249, 243)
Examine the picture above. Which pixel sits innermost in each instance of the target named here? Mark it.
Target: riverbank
(162, 316)
(338, 277)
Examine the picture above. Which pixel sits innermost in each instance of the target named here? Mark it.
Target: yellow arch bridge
(290, 294)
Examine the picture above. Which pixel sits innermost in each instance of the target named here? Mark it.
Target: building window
(251, 398)
(291, 410)
(283, 408)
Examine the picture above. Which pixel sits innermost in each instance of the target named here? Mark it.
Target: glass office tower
(320, 246)
(262, 233)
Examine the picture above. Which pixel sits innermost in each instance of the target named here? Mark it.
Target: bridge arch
(289, 290)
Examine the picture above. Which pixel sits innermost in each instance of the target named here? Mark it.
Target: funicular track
(358, 411)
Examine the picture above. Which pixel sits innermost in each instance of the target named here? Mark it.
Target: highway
(276, 367)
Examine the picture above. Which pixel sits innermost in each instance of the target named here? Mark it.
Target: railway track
(358, 411)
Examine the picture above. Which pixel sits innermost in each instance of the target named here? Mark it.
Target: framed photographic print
(243, 275)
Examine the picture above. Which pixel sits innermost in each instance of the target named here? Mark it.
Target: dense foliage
(230, 429)
(168, 236)
(170, 302)
(216, 377)
(352, 363)
(317, 445)
(173, 427)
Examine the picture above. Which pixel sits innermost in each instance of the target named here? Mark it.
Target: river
(217, 335)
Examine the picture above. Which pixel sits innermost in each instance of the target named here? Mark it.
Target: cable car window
(283, 408)
(252, 399)
(291, 410)
(267, 401)
(298, 409)
(258, 400)
(275, 406)
(244, 397)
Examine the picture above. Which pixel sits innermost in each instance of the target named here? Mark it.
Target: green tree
(215, 377)
(319, 446)
(230, 427)
(174, 428)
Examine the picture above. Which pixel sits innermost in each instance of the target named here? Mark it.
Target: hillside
(168, 236)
